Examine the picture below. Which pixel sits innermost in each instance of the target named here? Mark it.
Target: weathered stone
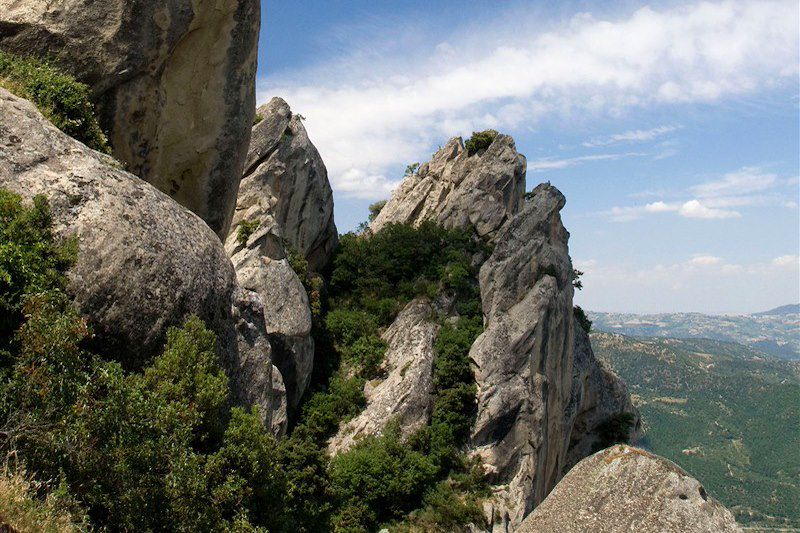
(174, 82)
(254, 380)
(144, 264)
(457, 190)
(523, 359)
(283, 163)
(262, 266)
(405, 393)
(623, 489)
(598, 395)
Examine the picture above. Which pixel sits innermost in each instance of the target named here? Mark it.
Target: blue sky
(671, 127)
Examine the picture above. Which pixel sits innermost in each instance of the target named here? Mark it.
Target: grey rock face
(284, 164)
(144, 262)
(174, 82)
(262, 266)
(254, 379)
(457, 190)
(523, 359)
(598, 394)
(405, 393)
(624, 489)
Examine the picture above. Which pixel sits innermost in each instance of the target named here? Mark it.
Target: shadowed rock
(174, 82)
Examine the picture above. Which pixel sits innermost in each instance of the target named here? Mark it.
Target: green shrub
(30, 260)
(614, 430)
(480, 140)
(383, 474)
(376, 208)
(257, 118)
(63, 100)
(245, 230)
(583, 320)
(365, 354)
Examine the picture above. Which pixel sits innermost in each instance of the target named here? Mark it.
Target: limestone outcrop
(174, 83)
(145, 263)
(624, 489)
(405, 392)
(523, 359)
(283, 164)
(599, 399)
(460, 190)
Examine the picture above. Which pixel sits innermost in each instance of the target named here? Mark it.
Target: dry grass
(22, 512)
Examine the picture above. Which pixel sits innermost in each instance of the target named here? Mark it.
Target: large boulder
(283, 165)
(405, 392)
(144, 264)
(461, 190)
(599, 404)
(523, 359)
(174, 82)
(623, 489)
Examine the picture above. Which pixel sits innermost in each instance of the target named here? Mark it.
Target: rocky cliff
(174, 82)
(144, 262)
(626, 489)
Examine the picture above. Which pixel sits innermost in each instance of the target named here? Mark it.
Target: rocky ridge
(460, 190)
(174, 83)
(537, 399)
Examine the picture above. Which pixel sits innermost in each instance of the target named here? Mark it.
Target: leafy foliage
(63, 100)
(30, 260)
(245, 229)
(480, 140)
(583, 320)
(156, 450)
(375, 209)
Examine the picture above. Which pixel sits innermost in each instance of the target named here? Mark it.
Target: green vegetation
(257, 118)
(582, 319)
(382, 479)
(728, 414)
(245, 229)
(480, 140)
(162, 449)
(411, 169)
(63, 100)
(375, 209)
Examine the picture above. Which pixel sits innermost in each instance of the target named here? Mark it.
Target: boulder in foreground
(623, 489)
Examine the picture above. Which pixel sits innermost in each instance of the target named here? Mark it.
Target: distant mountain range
(782, 310)
(775, 332)
(724, 412)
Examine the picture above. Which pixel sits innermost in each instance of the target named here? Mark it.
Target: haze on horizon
(671, 127)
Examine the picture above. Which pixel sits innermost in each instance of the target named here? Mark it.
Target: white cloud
(368, 113)
(551, 163)
(695, 209)
(746, 187)
(744, 181)
(704, 260)
(786, 261)
(631, 136)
